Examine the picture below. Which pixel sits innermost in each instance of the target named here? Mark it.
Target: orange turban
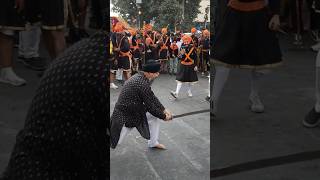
(148, 27)
(186, 39)
(206, 32)
(164, 30)
(132, 32)
(118, 27)
(193, 30)
(148, 41)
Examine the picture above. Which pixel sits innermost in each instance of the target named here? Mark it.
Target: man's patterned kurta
(136, 98)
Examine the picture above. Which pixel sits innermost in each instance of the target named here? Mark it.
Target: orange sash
(128, 54)
(163, 47)
(119, 43)
(185, 62)
(154, 38)
(174, 46)
(123, 54)
(247, 6)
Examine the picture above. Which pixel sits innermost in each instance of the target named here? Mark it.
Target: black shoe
(34, 63)
(312, 119)
(173, 94)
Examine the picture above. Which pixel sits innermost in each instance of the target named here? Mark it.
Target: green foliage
(164, 12)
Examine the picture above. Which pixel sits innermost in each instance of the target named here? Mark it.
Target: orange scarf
(247, 6)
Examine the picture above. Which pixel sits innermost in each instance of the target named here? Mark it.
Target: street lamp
(206, 16)
(182, 9)
(139, 23)
(139, 2)
(183, 6)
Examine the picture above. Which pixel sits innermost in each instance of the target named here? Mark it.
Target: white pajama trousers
(154, 127)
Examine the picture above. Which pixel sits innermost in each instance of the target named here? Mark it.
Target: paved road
(187, 140)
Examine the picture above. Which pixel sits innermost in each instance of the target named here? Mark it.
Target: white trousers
(154, 127)
(317, 104)
(29, 41)
(221, 76)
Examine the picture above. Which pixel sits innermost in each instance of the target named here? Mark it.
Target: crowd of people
(146, 53)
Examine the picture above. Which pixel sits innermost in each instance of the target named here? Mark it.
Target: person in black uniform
(14, 15)
(314, 7)
(113, 62)
(135, 50)
(196, 44)
(114, 55)
(204, 51)
(121, 48)
(53, 15)
(151, 50)
(187, 72)
(246, 38)
(195, 39)
(174, 51)
(12, 18)
(152, 36)
(312, 118)
(164, 48)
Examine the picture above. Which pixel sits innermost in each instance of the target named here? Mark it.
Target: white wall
(203, 4)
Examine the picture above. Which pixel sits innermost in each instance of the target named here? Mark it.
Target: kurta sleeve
(152, 103)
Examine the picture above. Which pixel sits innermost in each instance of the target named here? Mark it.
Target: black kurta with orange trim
(186, 72)
(243, 38)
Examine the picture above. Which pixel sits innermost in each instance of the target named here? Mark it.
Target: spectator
(11, 19)
(29, 42)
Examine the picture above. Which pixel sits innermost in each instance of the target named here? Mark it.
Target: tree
(171, 14)
(128, 9)
(125, 7)
(163, 12)
(191, 11)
